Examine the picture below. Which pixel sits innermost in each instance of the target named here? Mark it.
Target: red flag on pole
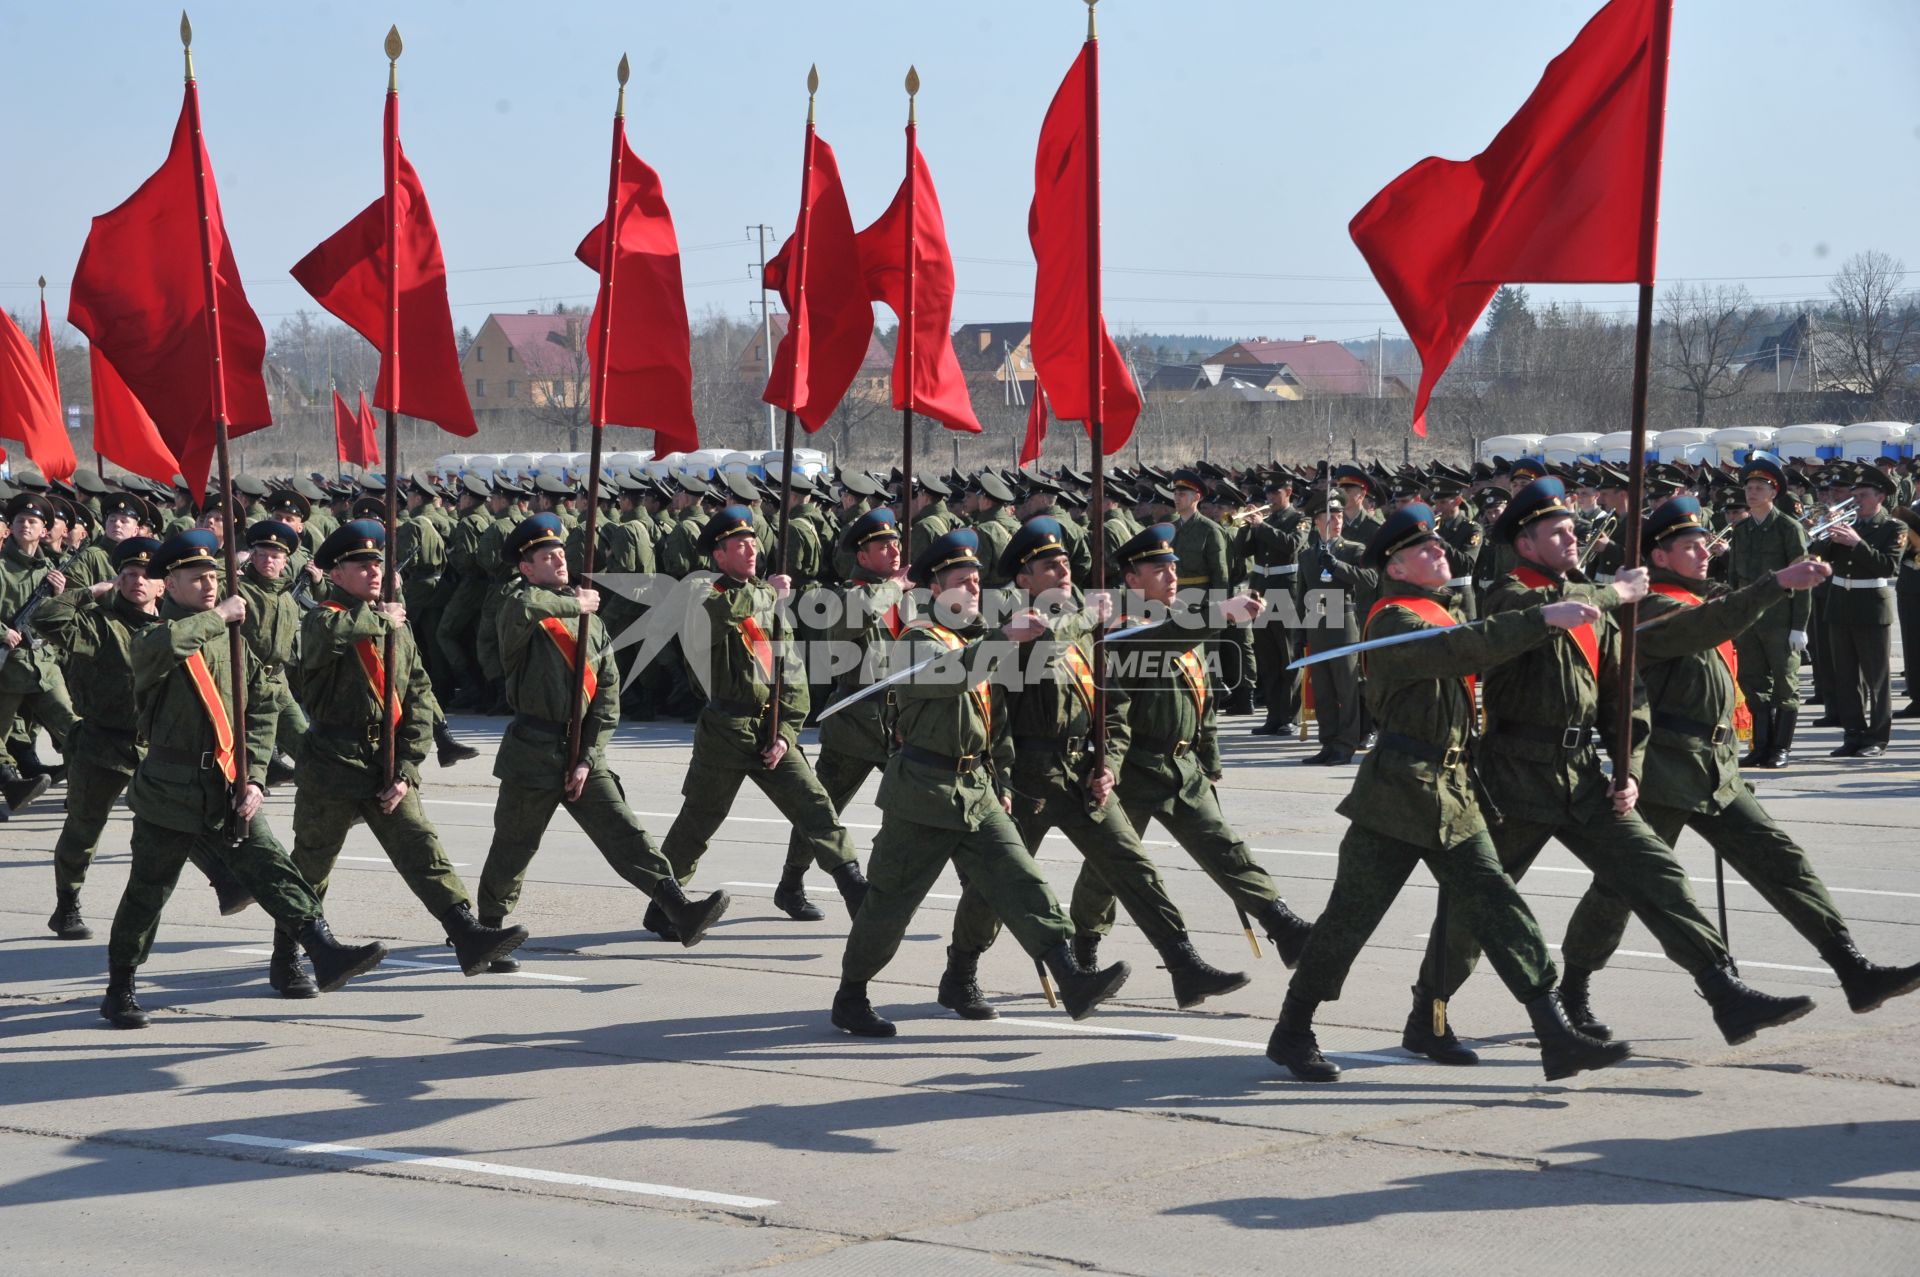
(1060, 225)
(123, 433)
(368, 446)
(933, 386)
(49, 363)
(347, 274)
(139, 293)
(1036, 426)
(1559, 197)
(648, 381)
(830, 318)
(29, 408)
(353, 435)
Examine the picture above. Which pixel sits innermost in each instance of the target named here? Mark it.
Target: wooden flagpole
(390, 358)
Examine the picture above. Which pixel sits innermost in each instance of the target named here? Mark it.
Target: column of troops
(1477, 746)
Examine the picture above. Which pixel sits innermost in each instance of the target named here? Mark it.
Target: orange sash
(1430, 612)
(569, 650)
(891, 619)
(216, 714)
(1691, 599)
(758, 646)
(1082, 675)
(981, 693)
(1196, 672)
(1583, 636)
(374, 667)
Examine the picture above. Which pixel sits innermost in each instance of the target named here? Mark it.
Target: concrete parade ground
(628, 1106)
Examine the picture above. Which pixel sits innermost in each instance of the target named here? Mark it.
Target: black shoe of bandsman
(1293, 1046)
(1082, 988)
(1287, 930)
(334, 963)
(687, 920)
(790, 898)
(852, 1012)
(853, 886)
(960, 986)
(476, 946)
(1194, 978)
(1564, 1050)
(120, 1007)
(285, 974)
(1319, 759)
(1868, 985)
(1740, 1011)
(66, 922)
(1419, 1038)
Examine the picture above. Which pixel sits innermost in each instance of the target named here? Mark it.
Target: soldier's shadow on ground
(1831, 1161)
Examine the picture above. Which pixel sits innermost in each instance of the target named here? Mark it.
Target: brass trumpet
(1244, 515)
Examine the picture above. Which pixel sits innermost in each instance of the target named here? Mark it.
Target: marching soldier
(930, 519)
(29, 673)
(459, 623)
(1767, 540)
(1173, 754)
(271, 628)
(122, 515)
(497, 569)
(1866, 560)
(539, 643)
(1274, 545)
(944, 797)
(188, 795)
(731, 743)
(1692, 780)
(1414, 800)
(344, 681)
(853, 744)
(1057, 783)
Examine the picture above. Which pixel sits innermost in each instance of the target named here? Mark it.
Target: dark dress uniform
(1769, 661)
(1274, 547)
(1332, 569)
(1859, 630)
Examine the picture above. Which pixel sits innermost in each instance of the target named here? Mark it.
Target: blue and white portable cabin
(1616, 449)
(1512, 447)
(1736, 443)
(1679, 445)
(1869, 440)
(1568, 449)
(1811, 441)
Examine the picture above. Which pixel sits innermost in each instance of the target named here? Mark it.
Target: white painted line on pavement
(1146, 1035)
(382, 860)
(496, 1168)
(774, 886)
(391, 961)
(1743, 962)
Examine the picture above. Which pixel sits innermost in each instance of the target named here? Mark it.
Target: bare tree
(558, 393)
(1874, 324)
(1703, 330)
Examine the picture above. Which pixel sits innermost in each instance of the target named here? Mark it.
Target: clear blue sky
(1239, 136)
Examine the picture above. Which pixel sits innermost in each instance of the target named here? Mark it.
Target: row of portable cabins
(703, 464)
(1859, 442)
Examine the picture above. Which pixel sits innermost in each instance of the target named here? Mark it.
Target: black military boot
(32, 768)
(1293, 1046)
(960, 986)
(284, 973)
(506, 963)
(1082, 988)
(852, 1012)
(233, 897)
(790, 896)
(476, 946)
(1286, 929)
(1785, 720)
(280, 769)
(19, 791)
(66, 922)
(1761, 748)
(1086, 949)
(334, 963)
(497, 706)
(689, 919)
(1575, 1002)
(1419, 1037)
(1564, 1050)
(119, 1007)
(655, 920)
(853, 886)
(1740, 1011)
(1866, 984)
(1194, 978)
(446, 750)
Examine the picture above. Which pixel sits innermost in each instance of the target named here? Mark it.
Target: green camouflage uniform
(30, 673)
(271, 629)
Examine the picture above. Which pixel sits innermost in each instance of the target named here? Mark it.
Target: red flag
(830, 317)
(347, 274)
(140, 294)
(648, 381)
(926, 373)
(1062, 225)
(123, 433)
(49, 363)
(366, 450)
(1566, 193)
(29, 409)
(1036, 426)
(352, 436)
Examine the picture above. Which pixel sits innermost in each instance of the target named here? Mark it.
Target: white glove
(1797, 640)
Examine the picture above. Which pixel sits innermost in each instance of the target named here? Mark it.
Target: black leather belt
(1449, 757)
(367, 733)
(737, 709)
(1174, 748)
(944, 762)
(203, 759)
(1572, 736)
(1712, 733)
(1050, 744)
(538, 724)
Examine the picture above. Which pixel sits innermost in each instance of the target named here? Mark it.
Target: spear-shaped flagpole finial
(186, 42)
(1091, 33)
(813, 87)
(625, 70)
(43, 287)
(913, 89)
(393, 57)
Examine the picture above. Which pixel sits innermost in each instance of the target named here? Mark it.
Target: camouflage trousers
(841, 775)
(1203, 833)
(521, 815)
(329, 800)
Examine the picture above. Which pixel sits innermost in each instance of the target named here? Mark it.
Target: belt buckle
(1720, 735)
(1452, 757)
(206, 760)
(1182, 748)
(964, 763)
(1573, 738)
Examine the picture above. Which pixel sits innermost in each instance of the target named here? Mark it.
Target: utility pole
(766, 329)
(1379, 362)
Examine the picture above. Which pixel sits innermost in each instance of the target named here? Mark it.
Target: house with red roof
(1317, 367)
(517, 362)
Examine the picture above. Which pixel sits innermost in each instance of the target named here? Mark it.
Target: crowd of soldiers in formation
(1476, 747)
